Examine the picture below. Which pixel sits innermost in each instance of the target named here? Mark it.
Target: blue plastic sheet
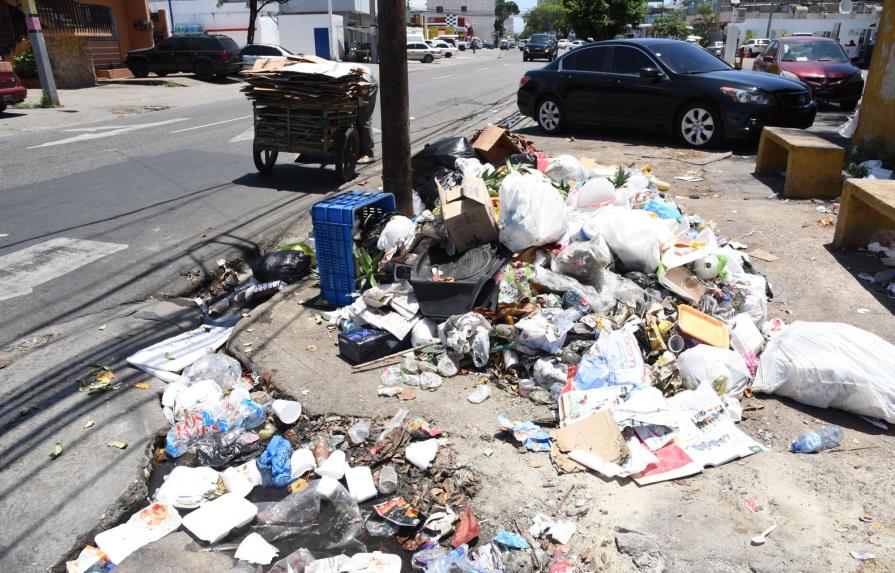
(511, 540)
(662, 209)
(275, 464)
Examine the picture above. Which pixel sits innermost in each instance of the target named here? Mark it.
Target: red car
(11, 89)
(819, 63)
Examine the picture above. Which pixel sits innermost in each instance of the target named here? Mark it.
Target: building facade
(459, 16)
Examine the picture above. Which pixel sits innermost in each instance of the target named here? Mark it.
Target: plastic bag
(830, 365)
(622, 289)
(295, 562)
(532, 212)
(599, 302)
(286, 266)
(472, 167)
(875, 169)
(464, 334)
(438, 160)
(227, 449)
(614, 360)
(397, 229)
(848, 128)
(584, 261)
(662, 209)
(564, 168)
(547, 329)
(593, 194)
(724, 369)
(229, 414)
(633, 236)
(223, 369)
(178, 398)
(275, 464)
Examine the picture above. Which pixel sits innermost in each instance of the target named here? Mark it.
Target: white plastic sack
(223, 369)
(593, 194)
(532, 211)
(876, 170)
(547, 329)
(848, 128)
(830, 365)
(633, 236)
(472, 167)
(397, 228)
(565, 168)
(724, 369)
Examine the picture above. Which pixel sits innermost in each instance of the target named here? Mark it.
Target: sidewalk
(109, 101)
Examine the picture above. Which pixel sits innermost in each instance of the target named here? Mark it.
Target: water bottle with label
(818, 440)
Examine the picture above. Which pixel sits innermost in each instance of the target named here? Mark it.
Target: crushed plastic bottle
(821, 439)
(447, 367)
(388, 480)
(359, 432)
(480, 394)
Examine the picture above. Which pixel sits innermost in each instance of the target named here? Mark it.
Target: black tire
(524, 58)
(427, 59)
(264, 160)
(447, 55)
(550, 115)
(139, 69)
(203, 71)
(347, 153)
(849, 105)
(2, 106)
(698, 125)
(161, 74)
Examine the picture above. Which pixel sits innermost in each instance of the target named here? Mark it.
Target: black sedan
(664, 84)
(540, 46)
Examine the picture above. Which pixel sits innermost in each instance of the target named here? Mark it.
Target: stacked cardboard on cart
(308, 80)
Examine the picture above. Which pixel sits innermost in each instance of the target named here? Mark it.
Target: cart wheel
(264, 159)
(347, 152)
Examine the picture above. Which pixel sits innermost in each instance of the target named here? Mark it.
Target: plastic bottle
(818, 440)
(388, 480)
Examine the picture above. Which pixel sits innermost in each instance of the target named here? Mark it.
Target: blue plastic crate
(334, 219)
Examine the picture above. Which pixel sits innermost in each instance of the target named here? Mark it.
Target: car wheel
(139, 69)
(550, 116)
(699, 125)
(203, 71)
(524, 58)
(2, 106)
(448, 55)
(427, 59)
(849, 105)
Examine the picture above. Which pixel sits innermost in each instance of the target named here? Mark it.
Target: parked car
(540, 46)
(11, 89)
(716, 49)
(563, 43)
(521, 43)
(462, 45)
(664, 84)
(422, 52)
(511, 43)
(447, 49)
(254, 52)
(576, 44)
(820, 63)
(504, 45)
(431, 44)
(206, 55)
(488, 45)
(754, 46)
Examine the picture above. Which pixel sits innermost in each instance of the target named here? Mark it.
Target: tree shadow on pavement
(856, 262)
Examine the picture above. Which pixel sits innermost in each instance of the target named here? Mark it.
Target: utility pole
(770, 19)
(39, 48)
(395, 104)
(374, 34)
(333, 45)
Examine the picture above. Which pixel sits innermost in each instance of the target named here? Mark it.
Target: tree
(750, 35)
(548, 16)
(603, 19)
(502, 11)
(671, 25)
(707, 20)
(255, 7)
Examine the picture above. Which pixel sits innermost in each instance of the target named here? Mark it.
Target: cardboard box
(468, 213)
(494, 145)
(597, 434)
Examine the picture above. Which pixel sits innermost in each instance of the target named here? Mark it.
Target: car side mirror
(769, 59)
(651, 73)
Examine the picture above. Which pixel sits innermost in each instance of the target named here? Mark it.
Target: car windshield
(817, 51)
(686, 58)
(540, 38)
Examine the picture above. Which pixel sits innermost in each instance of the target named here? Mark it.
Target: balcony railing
(74, 18)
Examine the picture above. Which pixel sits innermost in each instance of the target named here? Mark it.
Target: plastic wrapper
(599, 301)
(724, 369)
(286, 266)
(223, 369)
(532, 212)
(226, 449)
(295, 562)
(437, 160)
(230, 414)
(472, 167)
(614, 360)
(178, 398)
(565, 168)
(466, 334)
(662, 209)
(514, 286)
(830, 365)
(584, 261)
(324, 508)
(547, 329)
(397, 229)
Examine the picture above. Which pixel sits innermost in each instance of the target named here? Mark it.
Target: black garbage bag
(226, 449)
(437, 160)
(525, 159)
(286, 266)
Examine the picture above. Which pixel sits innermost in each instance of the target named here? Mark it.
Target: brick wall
(71, 61)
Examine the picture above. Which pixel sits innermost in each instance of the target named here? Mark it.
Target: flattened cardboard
(682, 282)
(597, 434)
(494, 145)
(468, 213)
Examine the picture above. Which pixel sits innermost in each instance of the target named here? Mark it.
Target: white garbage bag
(830, 365)
(397, 228)
(532, 211)
(564, 168)
(633, 236)
(593, 194)
(724, 369)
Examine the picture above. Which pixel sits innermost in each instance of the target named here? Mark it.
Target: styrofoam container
(241, 480)
(287, 411)
(334, 467)
(214, 520)
(360, 483)
(302, 462)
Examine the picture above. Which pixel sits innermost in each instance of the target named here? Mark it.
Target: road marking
(246, 135)
(443, 77)
(482, 69)
(96, 132)
(510, 64)
(210, 124)
(23, 270)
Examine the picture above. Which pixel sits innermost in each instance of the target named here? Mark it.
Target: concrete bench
(867, 206)
(813, 165)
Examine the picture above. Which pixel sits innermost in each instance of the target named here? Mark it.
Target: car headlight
(739, 95)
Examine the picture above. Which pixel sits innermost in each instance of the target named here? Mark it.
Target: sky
(525, 5)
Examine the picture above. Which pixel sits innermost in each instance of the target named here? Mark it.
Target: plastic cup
(286, 410)
(676, 343)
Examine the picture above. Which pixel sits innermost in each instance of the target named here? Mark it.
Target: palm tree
(707, 20)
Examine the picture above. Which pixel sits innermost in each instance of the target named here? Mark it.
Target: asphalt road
(96, 215)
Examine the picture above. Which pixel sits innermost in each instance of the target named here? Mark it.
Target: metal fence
(70, 17)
